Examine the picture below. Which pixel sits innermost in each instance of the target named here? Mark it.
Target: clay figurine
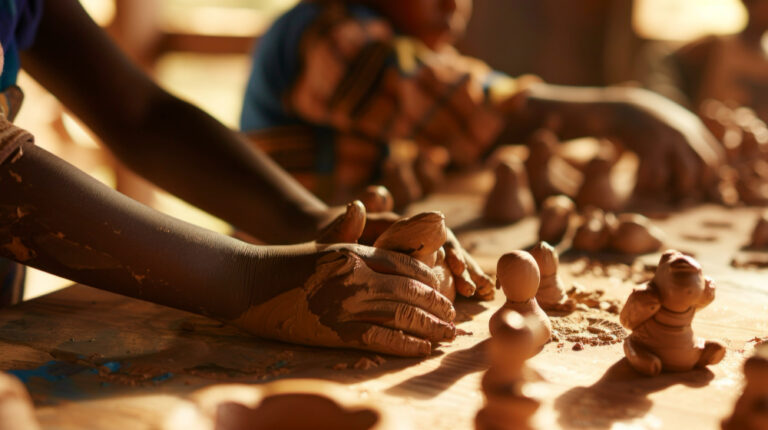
(760, 232)
(517, 274)
(422, 237)
(510, 199)
(507, 405)
(548, 174)
(594, 233)
(551, 294)
(751, 410)
(555, 217)
(660, 315)
(597, 189)
(377, 198)
(634, 234)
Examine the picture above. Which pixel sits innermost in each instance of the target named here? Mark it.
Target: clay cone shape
(555, 217)
(510, 199)
(551, 294)
(597, 189)
(635, 234)
(548, 173)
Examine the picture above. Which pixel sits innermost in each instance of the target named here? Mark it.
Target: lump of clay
(548, 174)
(551, 294)
(510, 199)
(760, 232)
(555, 217)
(517, 274)
(422, 237)
(751, 410)
(634, 234)
(660, 315)
(507, 405)
(594, 233)
(377, 198)
(597, 189)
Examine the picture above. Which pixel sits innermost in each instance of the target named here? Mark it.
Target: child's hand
(353, 296)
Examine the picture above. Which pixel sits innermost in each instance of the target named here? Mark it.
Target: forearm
(56, 218)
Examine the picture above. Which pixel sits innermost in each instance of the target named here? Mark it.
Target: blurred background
(200, 51)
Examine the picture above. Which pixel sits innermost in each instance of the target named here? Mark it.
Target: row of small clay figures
(659, 313)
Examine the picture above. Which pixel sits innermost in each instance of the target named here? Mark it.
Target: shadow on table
(620, 395)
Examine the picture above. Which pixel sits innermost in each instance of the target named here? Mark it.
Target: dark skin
(56, 218)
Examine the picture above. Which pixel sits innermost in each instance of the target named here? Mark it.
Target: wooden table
(92, 359)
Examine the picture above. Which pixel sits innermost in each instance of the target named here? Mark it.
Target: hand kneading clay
(660, 315)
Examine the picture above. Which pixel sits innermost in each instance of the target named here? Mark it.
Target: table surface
(93, 359)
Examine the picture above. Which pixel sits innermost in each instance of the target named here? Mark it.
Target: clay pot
(554, 218)
(510, 199)
(634, 234)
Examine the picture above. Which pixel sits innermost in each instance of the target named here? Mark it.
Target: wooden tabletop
(93, 359)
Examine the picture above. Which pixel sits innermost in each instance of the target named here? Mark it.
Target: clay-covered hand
(348, 295)
(470, 279)
(642, 304)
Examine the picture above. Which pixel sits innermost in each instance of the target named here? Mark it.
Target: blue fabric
(18, 25)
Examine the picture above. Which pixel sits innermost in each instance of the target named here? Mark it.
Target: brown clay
(422, 237)
(554, 218)
(377, 198)
(597, 189)
(551, 294)
(548, 174)
(400, 179)
(510, 199)
(594, 233)
(760, 232)
(634, 234)
(507, 406)
(660, 315)
(517, 274)
(751, 410)
(16, 409)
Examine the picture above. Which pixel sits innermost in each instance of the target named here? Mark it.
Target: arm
(641, 305)
(168, 141)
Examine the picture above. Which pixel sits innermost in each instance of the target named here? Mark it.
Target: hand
(469, 277)
(351, 296)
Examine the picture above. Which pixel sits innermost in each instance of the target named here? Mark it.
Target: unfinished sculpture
(594, 233)
(510, 199)
(597, 189)
(751, 410)
(507, 404)
(16, 409)
(517, 274)
(555, 217)
(377, 198)
(660, 315)
(760, 232)
(551, 294)
(634, 234)
(422, 237)
(548, 174)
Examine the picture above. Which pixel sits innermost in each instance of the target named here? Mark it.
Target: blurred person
(57, 219)
(333, 82)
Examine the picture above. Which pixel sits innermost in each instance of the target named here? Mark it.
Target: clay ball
(518, 275)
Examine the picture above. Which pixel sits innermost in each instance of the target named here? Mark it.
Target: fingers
(377, 199)
(376, 224)
(395, 263)
(404, 290)
(408, 318)
(394, 342)
(346, 228)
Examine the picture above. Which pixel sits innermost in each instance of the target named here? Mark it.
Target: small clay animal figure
(660, 315)
(751, 410)
(551, 294)
(594, 233)
(549, 174)
(517, 274)
(634, 234)
(555, 217)
(510, 199)
(377, 198)
(760, 232)
(507, 406)
(597, 189)
(422, 237)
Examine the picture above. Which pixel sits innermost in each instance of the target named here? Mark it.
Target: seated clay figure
(660, 315)
(507, 405)
(751, 410)
(551, 294)
(517, 274)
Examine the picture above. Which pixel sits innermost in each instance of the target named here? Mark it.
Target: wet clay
(554, 218)
(507, 403)
(660, 314)
(551, 293)
(16, 409)
(377, 198)
(549, 174)
(517, 274)
(751, 409)
(510, 199)
(422, 237)
(597, 189)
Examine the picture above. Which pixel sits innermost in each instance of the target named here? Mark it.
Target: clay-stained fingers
(396, 263)
(376, 223)
(405, 290)
(347, 227)
(394, 342)
(484, 286)
(410, 319)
